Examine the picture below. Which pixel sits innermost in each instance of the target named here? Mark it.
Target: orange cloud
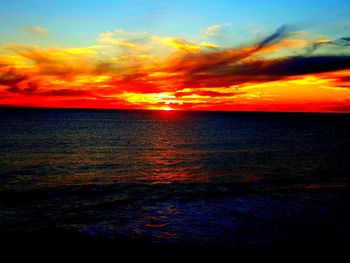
(140, 70)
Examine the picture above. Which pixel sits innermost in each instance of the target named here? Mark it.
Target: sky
(176, 55)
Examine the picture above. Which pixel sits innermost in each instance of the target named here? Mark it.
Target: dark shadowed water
(223, 179)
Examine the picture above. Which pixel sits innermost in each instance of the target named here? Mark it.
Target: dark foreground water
(226, 180)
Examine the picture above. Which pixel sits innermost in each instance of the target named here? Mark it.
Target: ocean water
(212, 178)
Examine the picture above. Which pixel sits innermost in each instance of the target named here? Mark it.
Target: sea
(214, 179)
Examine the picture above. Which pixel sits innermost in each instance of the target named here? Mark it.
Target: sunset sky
(194, 55)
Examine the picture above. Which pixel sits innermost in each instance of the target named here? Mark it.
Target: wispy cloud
(215, 30)
(37, 30)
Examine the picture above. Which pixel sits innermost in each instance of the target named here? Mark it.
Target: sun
(167, 109)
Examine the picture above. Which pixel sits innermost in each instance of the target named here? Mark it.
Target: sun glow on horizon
(167, 109)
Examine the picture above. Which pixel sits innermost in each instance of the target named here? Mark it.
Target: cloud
(245, 65)
(146, 43)
(31, 89)
(66, 93)
(197, 62)
(344, 41)
(207, 93)
(124, 39)
(340, 42)
(286, 44)
(258, 71)
(306, 65)
(37, 30)
(215, 30)
(339, 80)
(344, 78)
(209, 45)
(11, 78)
(178, 43)
(192, 65)
(279, 34)
(63, 63)
(133, 67)
(341, 106)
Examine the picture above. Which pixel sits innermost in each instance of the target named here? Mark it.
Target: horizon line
(161, 110)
